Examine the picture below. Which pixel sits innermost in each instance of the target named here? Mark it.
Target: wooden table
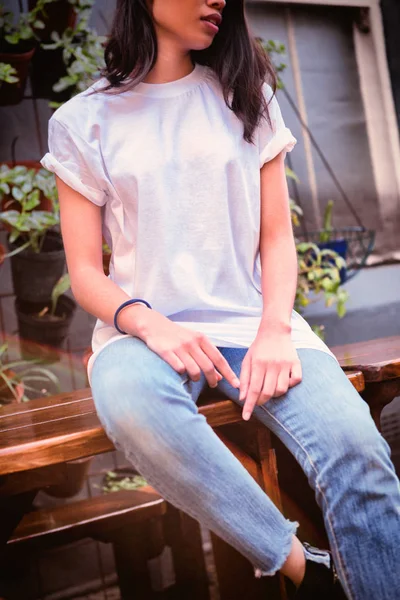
(379, 362)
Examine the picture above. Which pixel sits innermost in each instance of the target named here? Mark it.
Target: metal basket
(354, 244)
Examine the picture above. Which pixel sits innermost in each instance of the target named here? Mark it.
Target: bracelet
(124, 305)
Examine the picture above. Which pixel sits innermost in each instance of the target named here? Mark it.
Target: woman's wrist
(277, 325)
(134, 320)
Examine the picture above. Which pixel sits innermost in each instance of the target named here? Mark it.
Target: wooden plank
(45, 403)
(86, 517)
(47, 431)
(56, 441)
(379, 359)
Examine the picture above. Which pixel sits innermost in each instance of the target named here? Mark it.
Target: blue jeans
(150, 412)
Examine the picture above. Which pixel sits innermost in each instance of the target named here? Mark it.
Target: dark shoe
(320, 581)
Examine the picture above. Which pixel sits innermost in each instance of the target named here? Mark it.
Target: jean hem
(260, 572)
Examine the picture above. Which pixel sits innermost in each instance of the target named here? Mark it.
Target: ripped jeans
(150, 412)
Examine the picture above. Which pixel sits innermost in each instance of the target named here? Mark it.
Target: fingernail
(246, 416)
(236, 382)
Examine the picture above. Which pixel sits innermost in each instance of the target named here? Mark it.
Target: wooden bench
(36, 437)
(379, 362)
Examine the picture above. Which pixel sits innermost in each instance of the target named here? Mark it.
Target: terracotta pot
(8, 202)
(106, 263)
(13, 93)
(86, 356)
(6, 397)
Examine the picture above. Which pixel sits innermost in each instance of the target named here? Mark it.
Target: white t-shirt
(179, 189)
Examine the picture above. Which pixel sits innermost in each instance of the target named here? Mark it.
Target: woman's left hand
(270, 367)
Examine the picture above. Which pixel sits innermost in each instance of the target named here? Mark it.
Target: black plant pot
(47, 68)
(47, 330)
(34, 275)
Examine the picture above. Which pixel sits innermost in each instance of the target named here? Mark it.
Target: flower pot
(339, 246)
(13, 93)
(58, 17)
(6, 396)
(74, 476)
(35, 274)
(47, 329)
(8, 202)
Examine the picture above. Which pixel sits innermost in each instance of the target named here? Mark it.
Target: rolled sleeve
(273, 135)
(74, 161)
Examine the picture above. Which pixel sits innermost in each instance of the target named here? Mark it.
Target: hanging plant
(354, 243)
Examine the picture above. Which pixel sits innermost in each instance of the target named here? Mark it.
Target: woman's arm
(184, 350)
(271, 365)
(277, 248)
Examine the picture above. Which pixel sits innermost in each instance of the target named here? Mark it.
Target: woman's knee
(129, 384)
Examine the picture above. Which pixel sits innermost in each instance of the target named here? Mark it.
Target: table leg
(379, 394)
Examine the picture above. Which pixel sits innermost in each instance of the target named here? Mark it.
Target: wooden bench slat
(379, 360)
(42, 433)
(86, 517)
(55, 413)
(41, 404)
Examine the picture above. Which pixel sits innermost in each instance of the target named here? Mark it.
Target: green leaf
(17, 193)
(62, 285)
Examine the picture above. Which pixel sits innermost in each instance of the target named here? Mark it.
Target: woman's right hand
(186, 351)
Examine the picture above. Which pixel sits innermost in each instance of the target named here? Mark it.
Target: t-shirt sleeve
(273, 137)
(76, 162)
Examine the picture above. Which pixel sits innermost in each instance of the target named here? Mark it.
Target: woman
(177, 156)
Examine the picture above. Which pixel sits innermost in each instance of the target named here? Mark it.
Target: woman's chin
(201, 44)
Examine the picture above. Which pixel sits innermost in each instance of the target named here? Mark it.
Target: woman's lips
(210, 26)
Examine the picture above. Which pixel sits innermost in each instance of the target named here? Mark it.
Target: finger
(172, 359)
(282, 383)
(255, 387)
(296, 374)
(269, 385)
(206, 365)
(191, 367)
(220, 362)
(245, 373)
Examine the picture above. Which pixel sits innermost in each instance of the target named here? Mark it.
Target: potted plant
(8, 77)
(17, 46)
(34, 241)
(83, 56)
(57, 15)
(124, 478)
(47, 323)
(22, 380)
(63, 18)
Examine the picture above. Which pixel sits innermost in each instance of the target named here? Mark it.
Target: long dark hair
(239, 61)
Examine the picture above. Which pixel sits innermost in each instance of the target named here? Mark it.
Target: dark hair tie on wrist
(125, 304)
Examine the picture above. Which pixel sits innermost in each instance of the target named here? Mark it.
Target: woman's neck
(170, 65)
